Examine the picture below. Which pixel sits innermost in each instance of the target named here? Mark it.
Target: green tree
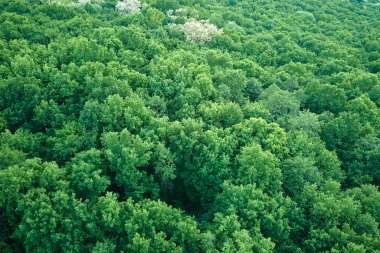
(260, 168)
(257, 212)
(280, 103)
(323, 97)
(128, 157)
(86, 173)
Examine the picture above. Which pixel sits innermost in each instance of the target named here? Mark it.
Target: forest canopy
(189, 126)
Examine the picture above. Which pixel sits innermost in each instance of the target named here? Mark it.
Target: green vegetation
(189, 126)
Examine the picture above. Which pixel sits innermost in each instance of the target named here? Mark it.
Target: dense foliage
(189, 126)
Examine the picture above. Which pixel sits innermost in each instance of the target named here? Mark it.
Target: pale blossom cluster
(198, 31)
(83, 2)
(55, 1)
(170, 14)
(128, 6)
(174, 14)
(182, 12)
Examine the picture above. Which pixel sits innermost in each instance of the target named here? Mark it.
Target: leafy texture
(189, 126)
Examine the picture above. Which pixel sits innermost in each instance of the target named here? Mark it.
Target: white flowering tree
(128, 6)
(198, 31)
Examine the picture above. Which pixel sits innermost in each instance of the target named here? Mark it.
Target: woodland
(190, 126)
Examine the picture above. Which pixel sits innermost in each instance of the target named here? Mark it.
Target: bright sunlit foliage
(189, 126)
